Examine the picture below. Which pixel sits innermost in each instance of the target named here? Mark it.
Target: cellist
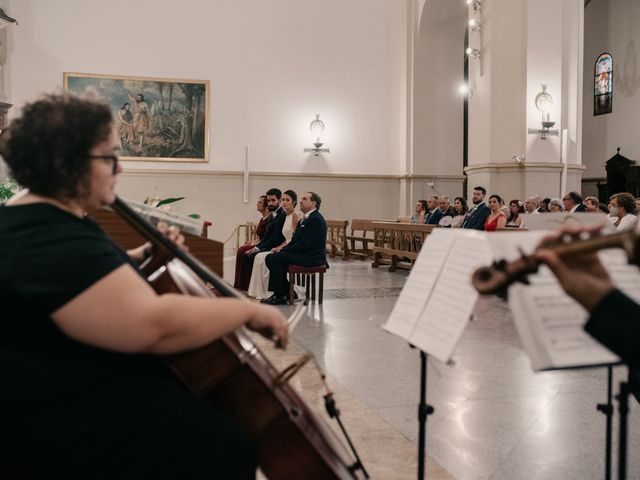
(85, 394)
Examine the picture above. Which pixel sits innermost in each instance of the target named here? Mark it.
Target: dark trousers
(278, 265)
(244, 266)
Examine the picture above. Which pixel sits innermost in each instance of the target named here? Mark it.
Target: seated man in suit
(444, 214)
(307, 249)
(572, 202)
(432, 207)
(271, 239)
(476, 217)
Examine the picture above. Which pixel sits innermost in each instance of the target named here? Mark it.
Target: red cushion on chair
(299, 269)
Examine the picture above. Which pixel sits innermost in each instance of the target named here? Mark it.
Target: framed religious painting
(157, 119)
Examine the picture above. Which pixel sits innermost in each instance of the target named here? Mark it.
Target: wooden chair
(306, 276)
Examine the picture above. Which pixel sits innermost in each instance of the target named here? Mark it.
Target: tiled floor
(494, 418)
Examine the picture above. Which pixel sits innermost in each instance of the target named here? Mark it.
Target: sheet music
(449, 308)
(437, 299)
(417, 288)
(549, 322)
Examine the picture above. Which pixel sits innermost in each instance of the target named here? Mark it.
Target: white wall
(612, 26)
(272, 66)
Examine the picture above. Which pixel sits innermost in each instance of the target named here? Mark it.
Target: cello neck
(152, 234)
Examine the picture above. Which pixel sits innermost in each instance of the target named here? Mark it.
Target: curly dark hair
(47, 147)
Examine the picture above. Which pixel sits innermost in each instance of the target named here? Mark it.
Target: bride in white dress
(259, 285)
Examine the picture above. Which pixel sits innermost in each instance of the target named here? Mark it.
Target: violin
(234, 375)
(496, 278)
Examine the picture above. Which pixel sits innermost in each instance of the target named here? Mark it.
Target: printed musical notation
(437, 300)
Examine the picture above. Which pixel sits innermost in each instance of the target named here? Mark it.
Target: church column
(524, 44)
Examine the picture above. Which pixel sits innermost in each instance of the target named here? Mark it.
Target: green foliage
(167, 201)
(7, 190)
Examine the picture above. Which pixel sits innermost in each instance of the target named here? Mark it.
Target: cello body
(233, 374)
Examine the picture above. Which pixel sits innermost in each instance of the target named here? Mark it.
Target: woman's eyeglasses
(112, 158)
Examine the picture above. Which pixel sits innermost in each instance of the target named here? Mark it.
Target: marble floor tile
(494, 417)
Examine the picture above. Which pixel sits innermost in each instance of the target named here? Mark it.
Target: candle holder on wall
(543, 102)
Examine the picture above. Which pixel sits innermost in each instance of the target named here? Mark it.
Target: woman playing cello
(85, 393)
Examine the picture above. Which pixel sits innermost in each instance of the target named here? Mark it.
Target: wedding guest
(261, 229)
(555, 205)
(622, 205)
(420, 215)
(572, 202)
(496, 218)
(272, 238)
(544, 205)
(591, 204)
(460, 209)
(432, 206)
(476, 217)
(516, 208)
(259, 284)
(307, 248)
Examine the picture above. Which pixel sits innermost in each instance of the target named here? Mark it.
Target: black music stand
(607, 410)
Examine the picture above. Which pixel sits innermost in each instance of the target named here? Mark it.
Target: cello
(234, 375)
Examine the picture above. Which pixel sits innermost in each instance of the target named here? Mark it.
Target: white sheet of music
(417, 288)
(438, 298)
(549, 322)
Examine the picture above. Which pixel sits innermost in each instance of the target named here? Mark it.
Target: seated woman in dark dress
(85, 393)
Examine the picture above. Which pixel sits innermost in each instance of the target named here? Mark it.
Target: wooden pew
(361, 232)
(207, 251)
(398, 244)
(336, 238)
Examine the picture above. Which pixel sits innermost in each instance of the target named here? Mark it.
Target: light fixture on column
(474, 25)
(465, 90)
(317, 128)
(473, 52)
(543, 102)
(475, 4)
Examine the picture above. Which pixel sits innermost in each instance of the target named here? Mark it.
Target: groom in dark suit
(476, 217)
(272, 238)
(307, 249)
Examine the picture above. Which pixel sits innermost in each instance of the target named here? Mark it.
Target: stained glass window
(603, 85)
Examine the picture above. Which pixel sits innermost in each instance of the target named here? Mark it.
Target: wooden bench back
(336, 238)
(394, 242)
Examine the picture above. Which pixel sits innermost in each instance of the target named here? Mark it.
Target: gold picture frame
(158, 119)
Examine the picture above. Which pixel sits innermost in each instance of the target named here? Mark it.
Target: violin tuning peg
(525, 280)
(503, 293)
(500, 265)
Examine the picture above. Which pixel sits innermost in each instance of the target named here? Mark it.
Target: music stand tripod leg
(424, 410)
(607, 410)
(623, 411)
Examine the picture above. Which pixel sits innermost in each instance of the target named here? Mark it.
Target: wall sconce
(465, 90)
(475, 4)
(316, 127)
(543, 102)
(473, 52)
(474, 25)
